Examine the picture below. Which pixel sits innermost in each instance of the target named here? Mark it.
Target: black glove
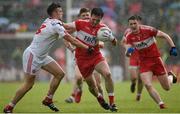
(90, 50)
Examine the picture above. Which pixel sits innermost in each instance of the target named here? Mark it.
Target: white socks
(110, 94)
(50, 96)
(160, 103)
(11, 104)
(170, 77)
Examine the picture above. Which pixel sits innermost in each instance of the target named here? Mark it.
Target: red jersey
(144, 41)
(127, 31)
(87, 33)
(134, 58)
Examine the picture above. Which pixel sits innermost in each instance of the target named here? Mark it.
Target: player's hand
(114, 42)
(129, 51)
(73, 51)
(101, 44)
(90, 50)
(173, 51)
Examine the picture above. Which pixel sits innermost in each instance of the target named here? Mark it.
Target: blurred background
(19, 19)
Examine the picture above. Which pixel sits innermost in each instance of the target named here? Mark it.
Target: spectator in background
(17, 61)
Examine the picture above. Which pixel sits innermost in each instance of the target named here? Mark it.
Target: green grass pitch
(124, 99)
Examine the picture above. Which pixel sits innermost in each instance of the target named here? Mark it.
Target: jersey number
(39, 30)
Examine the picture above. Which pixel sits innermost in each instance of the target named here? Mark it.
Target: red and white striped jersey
(87, 34)
(144, 41)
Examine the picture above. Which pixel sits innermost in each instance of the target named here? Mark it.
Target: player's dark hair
(97, 12)
(83, 10)
(139, 18)
(52, 7)
(135, 17)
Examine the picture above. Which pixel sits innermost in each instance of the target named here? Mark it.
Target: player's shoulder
(127, 32)
(82, 21)
(146, 27)
(54, 22)
(103, 25)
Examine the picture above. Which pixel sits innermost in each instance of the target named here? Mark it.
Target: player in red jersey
(35, 57)
(134, 66)
(84, 14)
(142, 39)
(87, 33)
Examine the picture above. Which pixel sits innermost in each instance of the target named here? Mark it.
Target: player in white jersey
(36, 57)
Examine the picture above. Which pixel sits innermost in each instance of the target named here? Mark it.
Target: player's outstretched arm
(123, 42)
(74, 41)
(167, 37)
(77, 43)
(69, 45)
(69, 27)
(173, 50)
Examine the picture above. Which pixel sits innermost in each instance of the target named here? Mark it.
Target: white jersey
(50, 31)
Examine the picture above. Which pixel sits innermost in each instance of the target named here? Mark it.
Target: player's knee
(79, 81)
(107, 75)
(167, 88)
(148, 86)
(60, 75)
(100, 89)
(91, 88)
(133, 77)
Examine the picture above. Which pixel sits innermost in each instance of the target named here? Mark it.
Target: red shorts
(134, 60)
(86, 65)
(153, 64)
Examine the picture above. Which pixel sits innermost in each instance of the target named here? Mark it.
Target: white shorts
(32, 63)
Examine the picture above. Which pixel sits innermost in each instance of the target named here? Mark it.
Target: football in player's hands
(105, 34)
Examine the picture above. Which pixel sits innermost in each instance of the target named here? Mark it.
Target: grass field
(124, 99)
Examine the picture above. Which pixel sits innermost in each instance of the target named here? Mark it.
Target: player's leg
(97, 77)
(165, 79)
(77, 87)
(133, 75)
(58, 74)
(94, 91)
(139, 89)
(103, 68)
(29, 63)
(165, 83)
(26, 86)
(146, 77)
